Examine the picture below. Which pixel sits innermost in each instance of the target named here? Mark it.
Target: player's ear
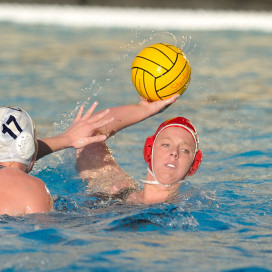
(196, 163)
(148, 149)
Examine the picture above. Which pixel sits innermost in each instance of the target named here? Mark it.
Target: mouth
(170, 165)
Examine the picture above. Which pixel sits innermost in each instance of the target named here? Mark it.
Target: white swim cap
(16, 136)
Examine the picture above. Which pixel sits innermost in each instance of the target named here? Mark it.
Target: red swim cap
(178, 122)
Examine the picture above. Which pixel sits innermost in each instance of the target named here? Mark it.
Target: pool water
(222, 221)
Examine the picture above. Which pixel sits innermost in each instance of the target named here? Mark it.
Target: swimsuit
(1, 166)
(122, 195)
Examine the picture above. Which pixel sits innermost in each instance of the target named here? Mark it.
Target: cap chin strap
(156, 182)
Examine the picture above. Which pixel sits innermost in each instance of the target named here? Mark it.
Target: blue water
(222, 221)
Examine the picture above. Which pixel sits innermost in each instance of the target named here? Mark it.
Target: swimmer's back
(22, 194)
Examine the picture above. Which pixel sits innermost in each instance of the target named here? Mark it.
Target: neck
(153, 194)
(156, 193)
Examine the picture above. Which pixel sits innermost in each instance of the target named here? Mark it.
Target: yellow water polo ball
(160, 71)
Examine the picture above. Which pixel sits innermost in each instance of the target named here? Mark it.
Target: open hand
(82, 130)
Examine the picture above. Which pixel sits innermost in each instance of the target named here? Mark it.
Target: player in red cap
(178, 122)
(172, 154)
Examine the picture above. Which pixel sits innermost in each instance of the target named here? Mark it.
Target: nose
(174, 153)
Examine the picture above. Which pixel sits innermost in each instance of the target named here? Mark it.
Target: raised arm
(127, 115)
(79, 134)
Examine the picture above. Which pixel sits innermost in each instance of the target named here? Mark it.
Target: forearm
(49, 145)
(128, 115)
(125, 116)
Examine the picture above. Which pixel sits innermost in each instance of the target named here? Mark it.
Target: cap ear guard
(25, 145)
(148, 149)
(196, 163)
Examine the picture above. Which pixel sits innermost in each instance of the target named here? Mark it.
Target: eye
(185, 151)
(165, 145)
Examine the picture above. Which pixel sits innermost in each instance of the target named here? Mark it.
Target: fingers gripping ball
(160, 71)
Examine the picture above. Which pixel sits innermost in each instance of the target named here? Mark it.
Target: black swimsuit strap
(122, 195)
(2, 166)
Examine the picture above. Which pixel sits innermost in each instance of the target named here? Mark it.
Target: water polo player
(172, 154)
(21, 193)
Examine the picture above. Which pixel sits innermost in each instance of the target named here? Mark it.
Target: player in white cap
(21, 193)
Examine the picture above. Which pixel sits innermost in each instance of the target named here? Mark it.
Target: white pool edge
(136, 18)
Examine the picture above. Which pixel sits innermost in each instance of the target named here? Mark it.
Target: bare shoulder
(21, 193)
(20, 178)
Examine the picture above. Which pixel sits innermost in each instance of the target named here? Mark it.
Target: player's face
(173, 154)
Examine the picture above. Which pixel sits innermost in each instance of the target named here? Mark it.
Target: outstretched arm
(79, 134)
(127, 115)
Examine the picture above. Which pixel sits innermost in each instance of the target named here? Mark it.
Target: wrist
(64, 141)
(144, 109)
(147, 109)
